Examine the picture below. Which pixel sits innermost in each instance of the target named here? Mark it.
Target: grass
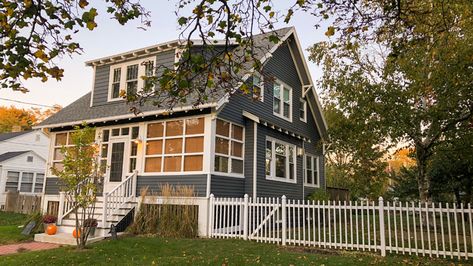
(9, 231)
(151, 251)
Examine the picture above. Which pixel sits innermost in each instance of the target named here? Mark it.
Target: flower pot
(50, 229)
(91, 231)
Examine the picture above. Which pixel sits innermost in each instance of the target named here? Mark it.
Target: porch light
(138, 141)
(300, 151)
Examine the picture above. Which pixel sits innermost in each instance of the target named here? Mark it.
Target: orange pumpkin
(51, 229)
(75, 234)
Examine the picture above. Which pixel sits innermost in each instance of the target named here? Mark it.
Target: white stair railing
(66, 206)
(118, 197)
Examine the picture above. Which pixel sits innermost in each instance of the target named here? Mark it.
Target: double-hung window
(28, 182)
(228, 148)
(258, 87)
(126, 77)
(13, 178)
(282, 100)
(280, 160)
(175, 146)
(61, 139)
(303, 110)
(311, 171)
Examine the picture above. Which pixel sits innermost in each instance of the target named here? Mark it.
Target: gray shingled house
(228, 147)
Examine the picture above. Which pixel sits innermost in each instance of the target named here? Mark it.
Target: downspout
(255, 143)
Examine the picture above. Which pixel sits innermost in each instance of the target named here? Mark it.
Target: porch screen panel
(175, 145)
(228, 148)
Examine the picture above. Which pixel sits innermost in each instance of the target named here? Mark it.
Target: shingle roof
(9, 155)
(11, 135)
(80, 110)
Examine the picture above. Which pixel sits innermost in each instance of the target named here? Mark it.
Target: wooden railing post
(134, 179)
(283, 233)
(381, 226)
(245, 218)
(104, 213)
(60, 213)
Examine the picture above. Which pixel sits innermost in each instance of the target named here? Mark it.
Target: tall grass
(167, 219)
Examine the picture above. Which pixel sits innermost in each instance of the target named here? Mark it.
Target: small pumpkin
(51, 229)
(76, 234)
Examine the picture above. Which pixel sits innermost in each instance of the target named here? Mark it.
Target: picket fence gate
(434, 229)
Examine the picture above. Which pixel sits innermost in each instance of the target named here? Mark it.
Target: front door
(117, 163)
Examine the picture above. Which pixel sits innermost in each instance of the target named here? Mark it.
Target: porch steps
(64, 234)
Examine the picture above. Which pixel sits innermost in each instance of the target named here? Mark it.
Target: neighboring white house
(22, 162)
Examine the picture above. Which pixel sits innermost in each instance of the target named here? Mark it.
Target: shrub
(49, 219)
(167, 220)
(319, 194)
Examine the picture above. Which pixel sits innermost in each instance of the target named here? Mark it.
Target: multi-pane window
(120, 133)
(303, 110)
(61, 139)
(38, 184)
(13, 178)
(280, 160)
(127, 77)
(228, 148)
(175, 146)
(131, 79)
(311, 170)
(27, 182)
(282, 100)
(117, 72)
(258, 87)
(149, 71)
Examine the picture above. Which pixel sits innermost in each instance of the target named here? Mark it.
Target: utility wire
(36, 104)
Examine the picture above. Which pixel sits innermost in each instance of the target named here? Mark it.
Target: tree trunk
(423, 180)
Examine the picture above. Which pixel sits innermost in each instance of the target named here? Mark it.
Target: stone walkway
(30, 246)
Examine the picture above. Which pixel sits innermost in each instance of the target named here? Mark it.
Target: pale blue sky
(111, 38)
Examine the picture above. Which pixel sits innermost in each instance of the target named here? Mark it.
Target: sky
(111, 38)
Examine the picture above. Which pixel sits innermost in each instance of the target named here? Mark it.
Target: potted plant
(90, 225)
(49, 221)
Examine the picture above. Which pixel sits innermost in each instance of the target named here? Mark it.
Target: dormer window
(126, 77)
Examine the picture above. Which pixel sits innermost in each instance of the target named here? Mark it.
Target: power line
(36, 104)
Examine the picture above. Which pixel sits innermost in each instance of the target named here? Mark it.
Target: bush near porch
(167, 251)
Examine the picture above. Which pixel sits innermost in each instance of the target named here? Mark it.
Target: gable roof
(10, 135)
(81, 111)
(12, 154)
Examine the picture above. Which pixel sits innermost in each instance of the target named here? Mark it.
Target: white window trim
(20, 180)
(315, 162)
(123, 66)
(53, 149)
(260, 85)
(272, 175)
(163, 155)
(281, 109)
(304, 106)
(229, 155)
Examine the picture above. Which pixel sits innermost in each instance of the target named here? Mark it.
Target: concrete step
(71, 222)
(68, 229)
(64, 238)
(98, 215)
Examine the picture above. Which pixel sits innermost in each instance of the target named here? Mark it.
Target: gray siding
(280, 66)
(52, 186)
(225, 186)
(102, 76)
(199, 182)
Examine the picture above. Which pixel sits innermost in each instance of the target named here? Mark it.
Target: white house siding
(35, 141)
(20, 164)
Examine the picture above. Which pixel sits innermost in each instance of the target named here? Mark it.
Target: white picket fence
(435, 230)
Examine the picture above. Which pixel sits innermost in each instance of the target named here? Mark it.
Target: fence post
(60, 211)
(245, 218)
(283, 206)
(211, 216)
(382, 234)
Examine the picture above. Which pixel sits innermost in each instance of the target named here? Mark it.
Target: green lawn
(9, 231)
(150, 251)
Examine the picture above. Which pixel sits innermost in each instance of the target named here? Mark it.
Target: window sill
(228, 174)
(278, 179)
(283, 117)
(312, 186)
